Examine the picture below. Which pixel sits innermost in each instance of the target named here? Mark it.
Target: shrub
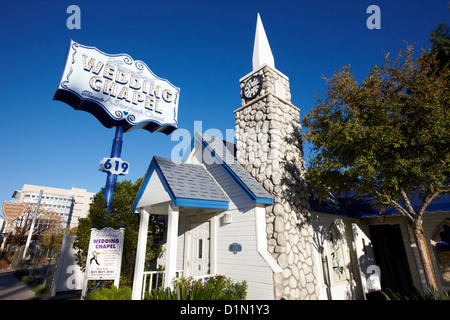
(216, 288)
(229, 290)
(415, 294)
(32, 283)
(123, 293)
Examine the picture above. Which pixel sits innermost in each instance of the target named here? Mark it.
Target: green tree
(387, 138)
(440, 44)
(121, 215)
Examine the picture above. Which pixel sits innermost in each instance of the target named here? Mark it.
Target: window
(200, 248)
(336, 245)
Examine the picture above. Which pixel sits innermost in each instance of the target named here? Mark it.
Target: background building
(70, 204)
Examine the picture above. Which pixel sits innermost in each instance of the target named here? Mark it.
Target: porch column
(140, 256)
(171, 246)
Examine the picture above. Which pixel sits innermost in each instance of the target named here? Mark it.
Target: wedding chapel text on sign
(117, 89)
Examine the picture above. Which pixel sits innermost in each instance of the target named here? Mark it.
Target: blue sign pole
(111, 179)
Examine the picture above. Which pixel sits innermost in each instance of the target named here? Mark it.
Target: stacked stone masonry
(269, 147)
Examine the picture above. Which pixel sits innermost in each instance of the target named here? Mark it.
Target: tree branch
(407, 202)
(426, 202)
(397, 207)
(403, 212)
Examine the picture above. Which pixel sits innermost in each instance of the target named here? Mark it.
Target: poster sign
(105, 254)
(11, 211)
(117, 90)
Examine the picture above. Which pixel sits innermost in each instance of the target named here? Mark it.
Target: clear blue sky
(203, 47)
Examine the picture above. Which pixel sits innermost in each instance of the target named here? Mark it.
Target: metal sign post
(111, 179)
(30, 233)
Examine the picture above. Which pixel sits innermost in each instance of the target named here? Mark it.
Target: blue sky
(203, 47)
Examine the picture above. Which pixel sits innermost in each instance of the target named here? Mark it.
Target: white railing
(203, 278)
(155, 279)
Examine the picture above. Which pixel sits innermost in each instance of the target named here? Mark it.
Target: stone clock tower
(269, 147)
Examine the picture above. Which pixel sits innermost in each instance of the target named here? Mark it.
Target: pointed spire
(261, 49)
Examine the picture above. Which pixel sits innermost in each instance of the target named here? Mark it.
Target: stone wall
(269, 147)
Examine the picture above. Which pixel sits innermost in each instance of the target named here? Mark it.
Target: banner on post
(105, 254)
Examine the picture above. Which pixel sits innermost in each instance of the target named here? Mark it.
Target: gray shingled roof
(225, 151)
(190, 181)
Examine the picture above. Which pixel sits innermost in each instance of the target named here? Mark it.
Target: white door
(199, 256)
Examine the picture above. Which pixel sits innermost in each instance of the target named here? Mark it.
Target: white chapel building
(244, 211)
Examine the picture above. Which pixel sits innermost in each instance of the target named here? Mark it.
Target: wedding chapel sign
(117, 90)
(104, 257)
(105, 254)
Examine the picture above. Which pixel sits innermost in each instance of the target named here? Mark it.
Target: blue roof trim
(233, 176)
(144, 183)
(189, 151)
(349, 206)
(200, 203)
(180, 202)
(164, 182)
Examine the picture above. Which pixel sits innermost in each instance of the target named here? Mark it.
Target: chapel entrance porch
(189, 247)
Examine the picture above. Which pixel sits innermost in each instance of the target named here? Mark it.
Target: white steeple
(261, 49)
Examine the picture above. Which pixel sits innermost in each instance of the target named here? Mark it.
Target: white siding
(247, 264)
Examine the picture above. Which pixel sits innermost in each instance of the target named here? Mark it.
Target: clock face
(252, 87)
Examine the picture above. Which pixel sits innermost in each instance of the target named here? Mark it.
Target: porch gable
(186, 185)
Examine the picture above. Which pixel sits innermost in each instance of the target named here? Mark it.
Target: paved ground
(12, 288)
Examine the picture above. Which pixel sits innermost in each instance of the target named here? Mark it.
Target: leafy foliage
(124, 293)
(121, 215)
(216, 288)
(47, 223)
(440, 44)
(387, 138)
(432, 294)
(387, 134)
